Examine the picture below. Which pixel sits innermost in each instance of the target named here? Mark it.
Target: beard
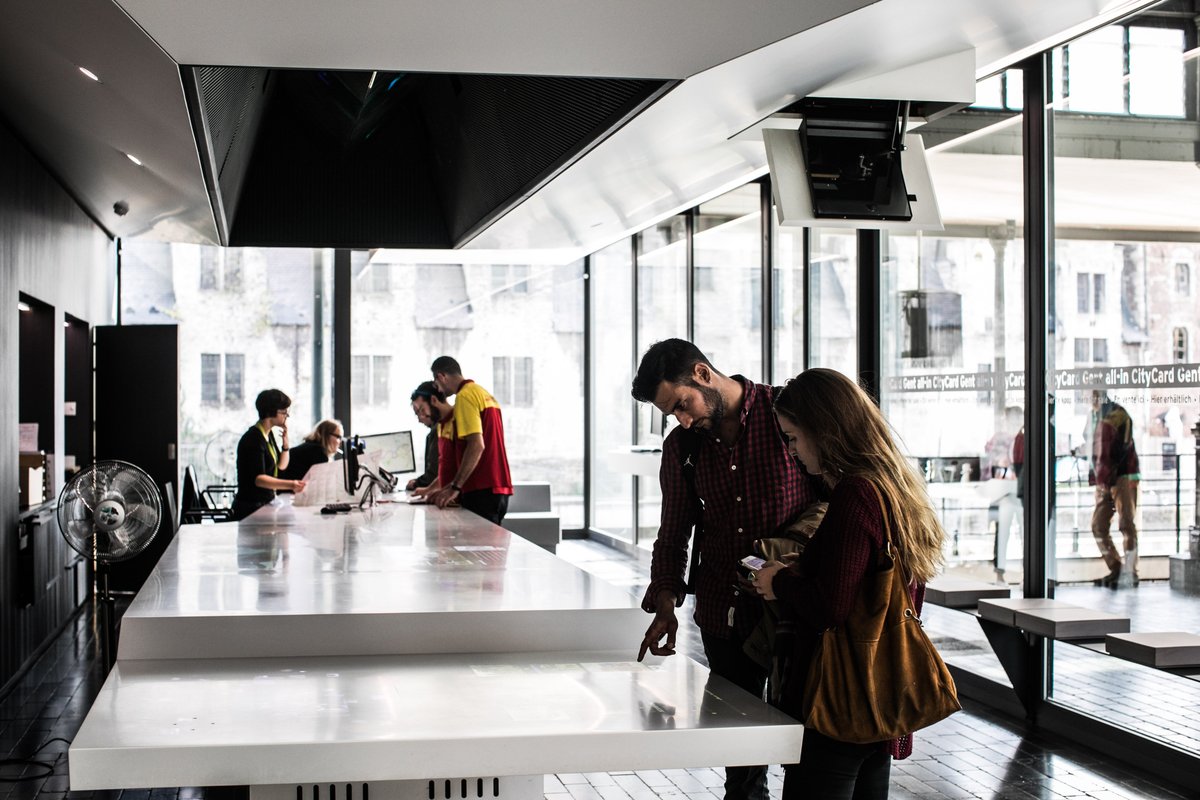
(714, 406)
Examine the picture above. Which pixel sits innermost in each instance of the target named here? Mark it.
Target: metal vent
(227, 95)
(510, 787)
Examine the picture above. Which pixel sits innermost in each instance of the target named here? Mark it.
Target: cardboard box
(32, 472)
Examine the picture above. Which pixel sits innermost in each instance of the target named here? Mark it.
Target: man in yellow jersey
(261, 458)
(472, 460)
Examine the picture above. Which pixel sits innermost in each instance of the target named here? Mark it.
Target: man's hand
(408, 487)
(664, 624)
(444, 497)
(762, 579)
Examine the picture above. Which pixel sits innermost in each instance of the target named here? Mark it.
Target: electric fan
(220, 455)
(109, 512)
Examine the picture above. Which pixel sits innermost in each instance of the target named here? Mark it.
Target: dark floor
(975, 754)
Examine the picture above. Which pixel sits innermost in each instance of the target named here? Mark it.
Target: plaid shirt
(749, 491)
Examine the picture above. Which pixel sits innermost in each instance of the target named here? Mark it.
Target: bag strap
(892, 551)
(689, 453)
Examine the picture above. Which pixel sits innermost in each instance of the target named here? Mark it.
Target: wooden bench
(1166, 650)
(962, 592)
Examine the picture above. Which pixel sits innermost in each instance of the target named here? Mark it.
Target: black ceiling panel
(362, 159)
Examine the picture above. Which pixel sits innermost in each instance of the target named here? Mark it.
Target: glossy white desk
(398, 579)
(221, 681)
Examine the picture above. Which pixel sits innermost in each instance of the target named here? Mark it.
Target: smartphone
(748, 566)
(753, 563)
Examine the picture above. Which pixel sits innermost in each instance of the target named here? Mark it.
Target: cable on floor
(47, 767)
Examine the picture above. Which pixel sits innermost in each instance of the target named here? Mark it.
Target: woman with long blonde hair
(318, 447)
(838, 433)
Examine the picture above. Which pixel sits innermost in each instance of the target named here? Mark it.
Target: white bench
(962, 592)
(530, 516)
(1053, 619)
(1166, 650)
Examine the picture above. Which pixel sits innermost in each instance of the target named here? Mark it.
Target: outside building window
(208, 268)
(381, 278)
(210, 378)
(1083, 292)
(370, 380)
(233, 271)
(512, 381)
(1179, 345)
(1083, 352)
(1100, 351)
(213, 389)
(1183, 278)
(1098, 294)
(235, 369)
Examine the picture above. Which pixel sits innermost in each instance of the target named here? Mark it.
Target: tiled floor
(975, 754)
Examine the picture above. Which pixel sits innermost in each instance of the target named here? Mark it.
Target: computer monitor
(394, 450)
(352, 448)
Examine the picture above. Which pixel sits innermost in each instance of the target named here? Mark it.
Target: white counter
(397, 579)
(395, 646)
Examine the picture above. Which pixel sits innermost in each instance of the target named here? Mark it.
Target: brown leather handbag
(877, 676)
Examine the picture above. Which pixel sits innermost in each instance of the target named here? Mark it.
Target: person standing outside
(428, 403)
(261, 458)
(1115, 474)
(472, 462)
(727, 457)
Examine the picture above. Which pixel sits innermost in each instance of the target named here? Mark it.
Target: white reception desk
(413, 651)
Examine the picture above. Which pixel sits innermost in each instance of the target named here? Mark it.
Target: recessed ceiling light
(134, 159)
(90, 74)
(23, 306)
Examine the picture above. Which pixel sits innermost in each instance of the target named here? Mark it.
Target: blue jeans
(727, 659)
(832, 770)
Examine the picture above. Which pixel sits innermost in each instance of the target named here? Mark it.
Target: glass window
(833, 307)
(787, 282)
(474, 312)
(1083, 351)
(235, 368)
(360, 381)
(661, 314)
(1095, 68)
(219, 374)
(1183, 278)
(210, 376)
(1104, 540)
(233, 271)
(728, 312)
(1083, 287)
(613, 463)
(1156, 71)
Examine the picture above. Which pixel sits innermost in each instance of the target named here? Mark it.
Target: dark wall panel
(50, 250)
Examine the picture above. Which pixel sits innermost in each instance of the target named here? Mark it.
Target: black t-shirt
(301, 457)
(254, 458)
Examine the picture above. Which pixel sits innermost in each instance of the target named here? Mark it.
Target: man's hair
(445, 364)
(428, 390)
(671, 360)
(270, 402)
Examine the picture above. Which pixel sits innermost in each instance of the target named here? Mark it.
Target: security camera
(120, 208)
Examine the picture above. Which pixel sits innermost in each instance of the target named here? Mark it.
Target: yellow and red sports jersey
(475, 411)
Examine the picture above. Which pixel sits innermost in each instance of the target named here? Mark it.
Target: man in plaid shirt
(743, 486)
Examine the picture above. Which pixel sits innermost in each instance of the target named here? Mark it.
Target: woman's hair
(270, 402)
(321, 434)
(853, 440)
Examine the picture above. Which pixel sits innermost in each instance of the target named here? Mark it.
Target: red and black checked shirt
(749, 491)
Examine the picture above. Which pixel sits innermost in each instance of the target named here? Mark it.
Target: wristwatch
(455, 487)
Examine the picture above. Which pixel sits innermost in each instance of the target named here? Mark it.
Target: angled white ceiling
(741, 61)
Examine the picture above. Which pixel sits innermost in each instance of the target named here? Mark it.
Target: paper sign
(69, 408)
(29, 437)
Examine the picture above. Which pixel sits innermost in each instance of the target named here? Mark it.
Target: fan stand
(108, 622)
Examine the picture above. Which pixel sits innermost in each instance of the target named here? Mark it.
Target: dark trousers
(491, 507)
(727, 659)
(832, 770)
